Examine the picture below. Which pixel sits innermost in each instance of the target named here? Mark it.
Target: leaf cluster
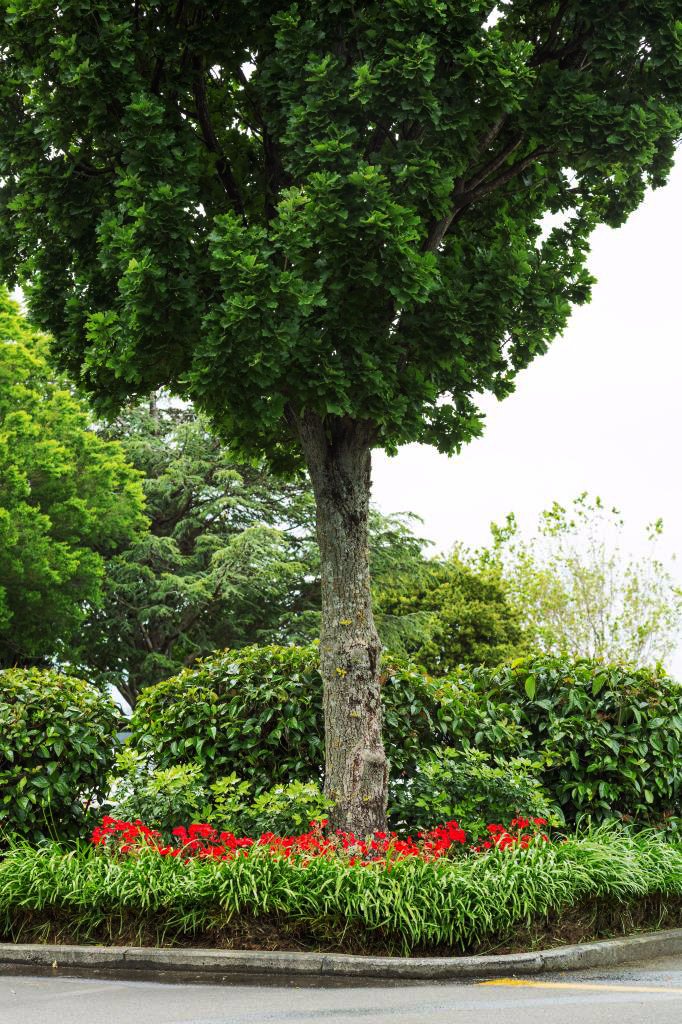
(448, 614)
(166, 797)
(471, 787)
(228, 558)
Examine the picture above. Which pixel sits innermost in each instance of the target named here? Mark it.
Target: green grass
(447, 906)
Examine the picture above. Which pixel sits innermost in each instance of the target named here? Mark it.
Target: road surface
(644, 992)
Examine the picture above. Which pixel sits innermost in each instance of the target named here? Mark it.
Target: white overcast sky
(600, 412)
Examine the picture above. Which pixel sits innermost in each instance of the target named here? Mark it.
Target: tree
(230, 557)
(578, 593)
(225, 562)
(452, 613)
(67, 500)
(324, 223)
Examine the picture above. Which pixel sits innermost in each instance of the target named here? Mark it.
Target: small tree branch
(469, 191)
(464, 196)
(223, 169)
(439, 229)
(495, 163)
(486, 140)
(160, 64)
(471, 195)
(542, 51)
(275, 176)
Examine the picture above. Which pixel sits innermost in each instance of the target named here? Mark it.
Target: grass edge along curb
(218, 964)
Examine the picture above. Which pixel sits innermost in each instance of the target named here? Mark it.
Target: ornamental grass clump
(339, 900)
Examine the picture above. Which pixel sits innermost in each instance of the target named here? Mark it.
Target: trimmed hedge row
(257, 711)
(608, 739)
(602, 740)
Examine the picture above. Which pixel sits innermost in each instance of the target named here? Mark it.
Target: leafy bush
(163, 798)
(57, 743)
(285, 809)
(609, 737)
(257, 712)
(167, 797)
(471, 788)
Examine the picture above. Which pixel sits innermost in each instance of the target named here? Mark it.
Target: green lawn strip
(500, 899)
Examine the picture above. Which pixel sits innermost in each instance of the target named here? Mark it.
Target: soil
(597, 920)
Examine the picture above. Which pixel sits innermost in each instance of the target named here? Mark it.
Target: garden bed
(585, 887)
(600, 919)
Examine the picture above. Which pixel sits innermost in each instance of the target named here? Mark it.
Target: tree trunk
(356, 770)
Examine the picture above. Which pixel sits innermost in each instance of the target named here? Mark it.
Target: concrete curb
(223, 964)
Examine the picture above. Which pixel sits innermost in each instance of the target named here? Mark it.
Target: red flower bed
(203, 841)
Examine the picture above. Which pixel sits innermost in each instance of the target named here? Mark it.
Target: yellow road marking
(591, 986)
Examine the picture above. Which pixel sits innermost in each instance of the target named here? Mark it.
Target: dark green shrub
(57, 743)
(471, 788)
(258, 712)
(609, 737)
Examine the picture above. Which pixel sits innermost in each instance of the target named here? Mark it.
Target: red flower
(203, 841)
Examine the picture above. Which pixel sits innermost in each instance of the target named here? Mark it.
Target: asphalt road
(644, 992)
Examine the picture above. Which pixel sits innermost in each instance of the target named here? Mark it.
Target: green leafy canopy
(278, 207)
(68, 499)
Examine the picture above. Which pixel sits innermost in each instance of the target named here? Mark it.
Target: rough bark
(356, 769)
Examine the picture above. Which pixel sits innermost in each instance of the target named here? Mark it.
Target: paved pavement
(638, 993)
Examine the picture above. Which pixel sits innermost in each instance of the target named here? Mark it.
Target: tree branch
(496, 162)
(223, 168)
(487, 139)
(464, 197)
(471, 195)
(160, 64)
(440, 228)
(542, 52)
(468, 192)
(273, 166)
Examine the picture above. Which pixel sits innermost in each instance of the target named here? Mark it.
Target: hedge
(258, 712)
(609, 736)
(57, 744)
